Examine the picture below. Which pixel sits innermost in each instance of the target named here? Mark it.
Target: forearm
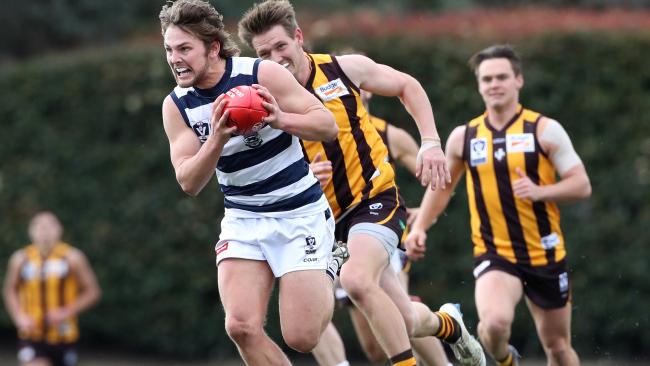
(432, 205)
(12, 304)
(567, 190)
(195, 172)
(417, 103)
(85, 300)
(316, 125)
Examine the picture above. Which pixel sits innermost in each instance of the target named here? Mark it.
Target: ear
(298, 36)
(520, 80)
(215, 47)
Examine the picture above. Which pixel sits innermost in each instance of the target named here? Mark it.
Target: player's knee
(302, 341)
(241, 331)
(492, 329)
(355, 285)
(557, 349)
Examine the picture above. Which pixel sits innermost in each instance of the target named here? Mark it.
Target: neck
(213, 75)
(305, 71)
(45, 247)
(499, 116)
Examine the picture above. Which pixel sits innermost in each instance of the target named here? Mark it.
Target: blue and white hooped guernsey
(261, 175)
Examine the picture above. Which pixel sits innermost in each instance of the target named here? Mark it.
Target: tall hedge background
(82, 135)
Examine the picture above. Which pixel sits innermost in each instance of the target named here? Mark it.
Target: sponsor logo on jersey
(332, 90)
(478, 151)
(521, 142)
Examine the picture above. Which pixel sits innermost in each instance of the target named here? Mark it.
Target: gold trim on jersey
(358, 154)
(47, 283)
(520, 231)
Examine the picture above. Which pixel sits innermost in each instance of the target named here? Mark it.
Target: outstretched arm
(380, 79)
(23, 322)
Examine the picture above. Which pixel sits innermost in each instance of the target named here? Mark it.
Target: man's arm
(434, 202)
(384, 80)
(291, 107)
(194, 163)
(10, 293)
(574, 182)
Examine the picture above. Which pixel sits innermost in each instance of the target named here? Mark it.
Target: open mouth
(180, 71)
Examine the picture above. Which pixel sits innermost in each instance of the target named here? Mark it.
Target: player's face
(45, 229)
(187, 57)
(276, 45)
(498, 84)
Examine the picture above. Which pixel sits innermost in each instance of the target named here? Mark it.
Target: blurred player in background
(47, 284)
(362, 192)
(511, 156)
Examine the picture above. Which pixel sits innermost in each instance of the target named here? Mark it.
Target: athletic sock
(449, 330)
(508, 361)
(403, 359)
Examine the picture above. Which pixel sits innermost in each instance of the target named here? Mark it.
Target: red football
(246, 109)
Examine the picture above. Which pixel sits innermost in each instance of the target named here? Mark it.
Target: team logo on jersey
(253, 141)
(520, 142)
(478, 151)
(202, 129)
(310, 245)
(331, 90)
(499, 154)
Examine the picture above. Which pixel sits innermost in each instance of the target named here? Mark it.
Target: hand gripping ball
(246, 109)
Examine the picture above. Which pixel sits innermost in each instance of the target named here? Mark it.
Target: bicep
(83, 270)
(183, 143)
(556, 141)
(377, 78)
(454, 154)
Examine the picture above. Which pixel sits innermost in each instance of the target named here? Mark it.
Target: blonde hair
(262, 17)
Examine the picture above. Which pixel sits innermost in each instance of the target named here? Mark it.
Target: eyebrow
(179, 45)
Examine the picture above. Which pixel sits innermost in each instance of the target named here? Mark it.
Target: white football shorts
(286, 244)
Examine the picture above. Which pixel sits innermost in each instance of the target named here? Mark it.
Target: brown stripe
(507, 198)
(486, 227)
(539, 207)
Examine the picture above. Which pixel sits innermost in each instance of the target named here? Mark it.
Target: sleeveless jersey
(521, 231)
(264, 174)
(47, 283)
(359, 156)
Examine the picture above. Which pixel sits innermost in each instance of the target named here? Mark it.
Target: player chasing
(362, 192)
(511, 156)
(277, 222)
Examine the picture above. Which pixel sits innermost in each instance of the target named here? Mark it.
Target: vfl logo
(310, 245)
(253, 141)
(478, 151)
(202, 130)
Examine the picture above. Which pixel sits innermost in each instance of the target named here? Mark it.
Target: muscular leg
(367, 339)
(496, 294)
(554, 330)
(245, 287)
(429, 350)
(38, 362)
(360, 278)
(306, 306)
(330, 350)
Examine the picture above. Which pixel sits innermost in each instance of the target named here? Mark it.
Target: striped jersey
(46, 284)
(359, 156)
(382, 127)
(263, 174)
(521, 231)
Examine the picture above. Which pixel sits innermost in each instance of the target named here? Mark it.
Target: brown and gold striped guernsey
(47, 283)
(521, 231)
(358, 155)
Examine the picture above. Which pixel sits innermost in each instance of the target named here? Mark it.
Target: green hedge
(82, 135)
